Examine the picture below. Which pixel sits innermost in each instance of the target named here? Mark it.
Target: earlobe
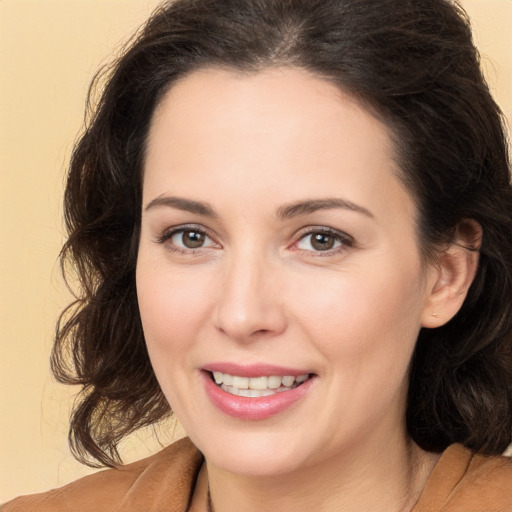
(449, 280)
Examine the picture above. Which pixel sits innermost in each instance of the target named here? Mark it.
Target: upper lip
(253, 370)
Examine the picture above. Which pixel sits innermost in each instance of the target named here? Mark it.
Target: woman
(291, 223)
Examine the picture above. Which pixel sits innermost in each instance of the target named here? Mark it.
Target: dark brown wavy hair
(411, 61)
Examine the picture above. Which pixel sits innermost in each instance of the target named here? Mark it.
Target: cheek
(171, 306)
(363, 315)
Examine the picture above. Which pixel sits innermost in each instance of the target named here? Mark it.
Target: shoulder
(167, 476)
(463, 481)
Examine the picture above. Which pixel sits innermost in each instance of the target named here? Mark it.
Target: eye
(189, 239)
(186, 239)
(323, 240)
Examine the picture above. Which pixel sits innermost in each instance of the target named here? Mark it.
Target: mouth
(260, 386)
(256, 392)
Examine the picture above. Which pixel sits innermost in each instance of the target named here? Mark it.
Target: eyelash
(169, 233)
(345, 241)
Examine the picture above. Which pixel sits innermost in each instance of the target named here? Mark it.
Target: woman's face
(277, 241)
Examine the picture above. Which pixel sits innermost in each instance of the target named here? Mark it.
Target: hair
(411, 61)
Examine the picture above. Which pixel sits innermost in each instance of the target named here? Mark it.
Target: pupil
(192, 239)
(322, 242)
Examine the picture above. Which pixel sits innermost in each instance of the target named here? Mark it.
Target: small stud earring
(435, 315)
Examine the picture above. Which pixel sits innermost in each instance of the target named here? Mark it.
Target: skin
(258, 291)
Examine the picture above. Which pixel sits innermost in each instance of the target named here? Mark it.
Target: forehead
(260, 131)
(284, 98)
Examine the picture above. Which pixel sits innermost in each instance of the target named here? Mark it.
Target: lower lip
(258, 408)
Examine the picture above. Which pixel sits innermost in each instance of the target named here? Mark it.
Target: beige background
(49, 50)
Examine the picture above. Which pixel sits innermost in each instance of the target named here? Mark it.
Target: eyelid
(346, 240)
(169, 232)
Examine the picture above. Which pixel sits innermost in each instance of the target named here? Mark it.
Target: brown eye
(192, 239)
(188, 239)
(322, 241)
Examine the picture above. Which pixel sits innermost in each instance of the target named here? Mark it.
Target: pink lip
(253, 370)
(254, 409)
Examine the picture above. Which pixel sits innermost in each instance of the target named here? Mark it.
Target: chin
(263, 454)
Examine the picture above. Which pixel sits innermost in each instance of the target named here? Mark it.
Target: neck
(387, 477)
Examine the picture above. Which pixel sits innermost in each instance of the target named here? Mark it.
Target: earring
(435, 315)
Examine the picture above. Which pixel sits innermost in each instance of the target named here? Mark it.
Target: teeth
(288, 380)
(240, 382)
(258, 383)
(255, 393)
(251, 393)
(229, 389)
(273, 382)
(254, 387)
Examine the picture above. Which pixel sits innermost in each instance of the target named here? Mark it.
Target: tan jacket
(460, 482)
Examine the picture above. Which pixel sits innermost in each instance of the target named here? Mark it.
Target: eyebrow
(182, 204)
(313, 205)
(284, 212)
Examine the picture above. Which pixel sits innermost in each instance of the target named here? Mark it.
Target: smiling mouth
(254, 387)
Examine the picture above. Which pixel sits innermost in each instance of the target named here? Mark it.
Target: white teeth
(273, 382)
(255, 393)
(258, 383)
(229, 389)
(257, 386)
(288, 380)
(249, 393)
(240, 382)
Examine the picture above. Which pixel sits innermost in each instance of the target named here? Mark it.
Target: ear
(450, 278)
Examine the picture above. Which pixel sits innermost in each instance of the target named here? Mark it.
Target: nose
(250, 303)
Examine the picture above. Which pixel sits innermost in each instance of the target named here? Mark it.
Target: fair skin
(275, 231)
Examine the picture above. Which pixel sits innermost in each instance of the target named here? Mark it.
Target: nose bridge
(248, 302)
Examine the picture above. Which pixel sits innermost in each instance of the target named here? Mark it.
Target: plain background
(49, 51)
